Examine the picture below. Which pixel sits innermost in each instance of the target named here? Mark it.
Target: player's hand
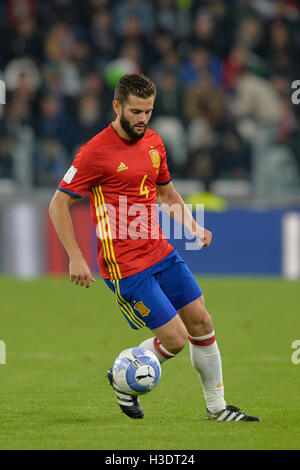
(204, 236)
(80, 273)
(207, 237)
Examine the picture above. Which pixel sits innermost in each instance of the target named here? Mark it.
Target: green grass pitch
(61, 339)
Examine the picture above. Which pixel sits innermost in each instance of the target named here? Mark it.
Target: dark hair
(134, 84)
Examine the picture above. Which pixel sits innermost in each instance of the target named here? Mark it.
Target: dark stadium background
(227, 76)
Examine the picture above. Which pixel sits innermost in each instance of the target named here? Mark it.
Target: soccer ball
(136, 371)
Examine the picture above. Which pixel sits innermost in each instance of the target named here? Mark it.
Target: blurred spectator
(200, 134)
(163, 43)
(281, 53)
(102, 36)
(26, 68)
(92, 83)
(256, 98)
(95, 5)
(118, 67)
(204, 31)
(24, 89)
(82, 58)
(50, 162)
(169, 97)
(223, 72)
(203, 164)
(132, 31)
(52, 79)
(129, 60)
(288, 10)
(67, 11)
(234, 64)
(168, 106)
(6, 158)
(199, 63)
(59, 43)
(18, 10)
(250, 32)
(174, 17)
(90, 120)
(54, 121)
(234, 155)
(60, 47)
(173, 134)
(132, 51)
(142, 10)
(205, 100)
(17, 114)
(23, 40)
(166, 16)
(279, 40)
(169, 63)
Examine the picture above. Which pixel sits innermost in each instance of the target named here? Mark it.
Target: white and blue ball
(136, 371)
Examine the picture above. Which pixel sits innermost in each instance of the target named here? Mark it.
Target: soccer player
(124, 169)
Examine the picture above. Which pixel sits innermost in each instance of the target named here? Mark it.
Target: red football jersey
(120, 177)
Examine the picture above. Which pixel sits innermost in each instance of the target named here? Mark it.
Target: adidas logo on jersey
(122, 167)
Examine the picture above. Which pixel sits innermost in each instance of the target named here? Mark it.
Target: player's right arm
(59, 211)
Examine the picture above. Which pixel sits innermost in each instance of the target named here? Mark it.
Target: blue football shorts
(152, 297)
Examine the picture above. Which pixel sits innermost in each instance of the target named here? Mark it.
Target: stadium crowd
(223, 71)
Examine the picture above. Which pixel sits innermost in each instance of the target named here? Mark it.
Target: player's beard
(130, 129)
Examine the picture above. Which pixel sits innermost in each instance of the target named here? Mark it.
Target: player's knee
(174, 342)
(201, 323)
(176, 347)
(205, 320)
(173, 335)
(177, 342)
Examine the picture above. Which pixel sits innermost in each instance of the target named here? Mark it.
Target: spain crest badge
(155, 157)
(142, 309)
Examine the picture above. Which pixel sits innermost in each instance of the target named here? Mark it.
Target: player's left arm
(174, 205)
